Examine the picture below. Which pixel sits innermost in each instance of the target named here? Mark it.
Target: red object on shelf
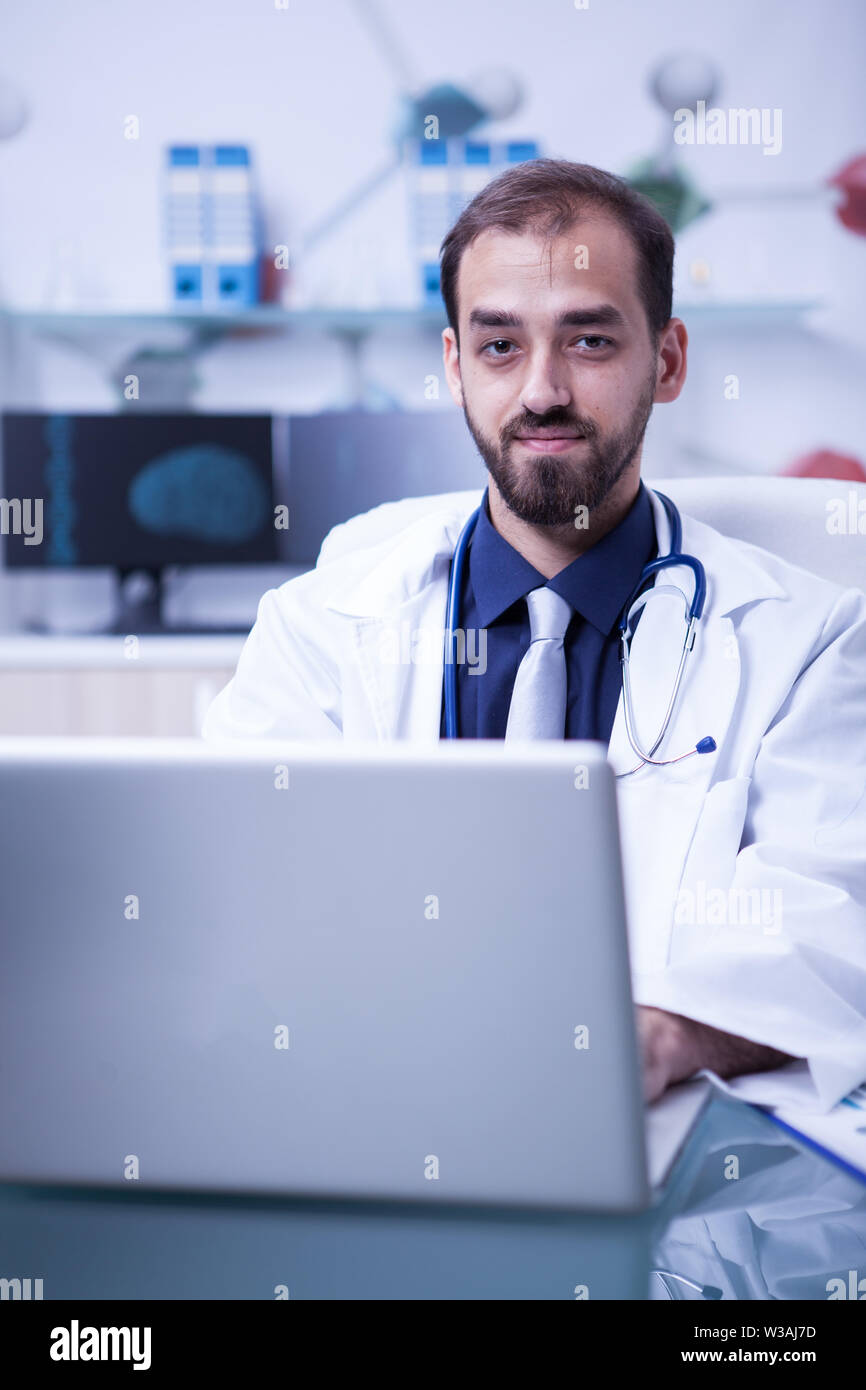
(273, 283)
(826, 463)
(852, 180)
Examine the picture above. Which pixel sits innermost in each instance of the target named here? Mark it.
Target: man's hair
(548, 195)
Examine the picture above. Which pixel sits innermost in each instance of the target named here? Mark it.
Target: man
(557, 279)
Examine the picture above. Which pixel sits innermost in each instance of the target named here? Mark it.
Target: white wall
(309, 91)
(315, 98)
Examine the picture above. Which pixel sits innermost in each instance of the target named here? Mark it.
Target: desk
(99, 685)
(786, 1225)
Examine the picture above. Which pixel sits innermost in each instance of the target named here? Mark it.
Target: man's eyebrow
(603, 315)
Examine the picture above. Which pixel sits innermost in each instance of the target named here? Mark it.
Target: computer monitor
(345, 462)
(139, 492)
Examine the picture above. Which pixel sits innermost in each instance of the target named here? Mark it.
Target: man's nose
(545, 385)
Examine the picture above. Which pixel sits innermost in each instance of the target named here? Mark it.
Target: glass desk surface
(749, 1213)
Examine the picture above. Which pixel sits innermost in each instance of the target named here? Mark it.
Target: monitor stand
(139, 612)
(140, 609)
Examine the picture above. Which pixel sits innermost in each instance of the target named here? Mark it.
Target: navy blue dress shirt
(496, 579)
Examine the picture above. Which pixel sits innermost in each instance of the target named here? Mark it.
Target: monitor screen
(345, 462)
(138, 490)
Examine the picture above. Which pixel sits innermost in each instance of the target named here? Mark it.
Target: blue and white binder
(444, 175)
(212, 226)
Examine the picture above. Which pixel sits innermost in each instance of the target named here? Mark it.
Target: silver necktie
(538, 699)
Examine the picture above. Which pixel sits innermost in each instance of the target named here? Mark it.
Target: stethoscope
(636, 600)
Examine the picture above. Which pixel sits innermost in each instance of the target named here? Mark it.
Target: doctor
(745, 868)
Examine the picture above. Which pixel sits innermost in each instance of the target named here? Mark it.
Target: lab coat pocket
(713, 854)
(658, 820)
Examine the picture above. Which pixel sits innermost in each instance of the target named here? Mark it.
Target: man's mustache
(547, 422)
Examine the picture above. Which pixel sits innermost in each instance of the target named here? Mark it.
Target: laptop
(361, 971)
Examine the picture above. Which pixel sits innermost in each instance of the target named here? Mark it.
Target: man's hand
(674, 1048)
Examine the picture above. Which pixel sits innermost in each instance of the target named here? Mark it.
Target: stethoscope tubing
(674, 558)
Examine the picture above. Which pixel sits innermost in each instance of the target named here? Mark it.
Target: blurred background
(219, 286)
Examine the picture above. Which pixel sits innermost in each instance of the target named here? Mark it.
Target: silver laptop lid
(365, 971)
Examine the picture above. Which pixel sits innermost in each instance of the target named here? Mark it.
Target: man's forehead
(531, 256)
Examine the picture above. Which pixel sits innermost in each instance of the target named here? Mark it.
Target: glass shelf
(263, 316)
(347, 321)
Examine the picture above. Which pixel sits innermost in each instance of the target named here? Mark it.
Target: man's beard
(547, 489)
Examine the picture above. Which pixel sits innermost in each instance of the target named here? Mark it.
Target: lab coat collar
(403, 594)
(420, 555)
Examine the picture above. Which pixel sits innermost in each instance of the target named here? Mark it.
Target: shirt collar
(596, 584)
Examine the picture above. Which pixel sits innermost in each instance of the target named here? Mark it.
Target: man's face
(557, 372)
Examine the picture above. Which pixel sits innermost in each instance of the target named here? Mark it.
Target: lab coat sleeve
(285, 686)
(794, 976)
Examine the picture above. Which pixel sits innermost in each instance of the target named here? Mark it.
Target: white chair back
(817, 523)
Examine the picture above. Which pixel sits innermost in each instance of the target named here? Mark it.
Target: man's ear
(673, 351)
(451, 360)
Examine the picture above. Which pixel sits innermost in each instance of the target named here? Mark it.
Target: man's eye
(498, 343)
(594, 338)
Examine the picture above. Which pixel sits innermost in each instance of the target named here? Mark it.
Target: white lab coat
(777, 677)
